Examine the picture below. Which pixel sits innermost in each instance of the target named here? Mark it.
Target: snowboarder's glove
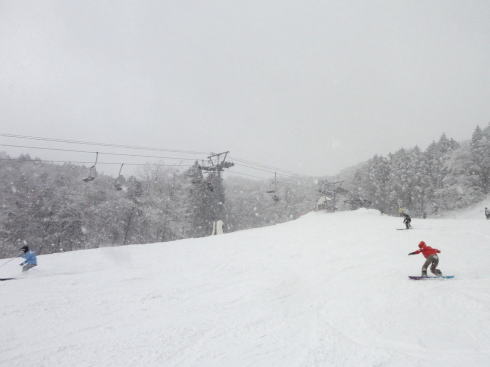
(412, 253)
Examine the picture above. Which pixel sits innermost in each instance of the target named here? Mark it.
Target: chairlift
(273, 189)
(92, 173)
(118, 183)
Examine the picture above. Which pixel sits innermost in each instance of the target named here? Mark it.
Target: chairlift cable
(265, 170)
(91, 152)
(244, 163)
(244, 174)
(17, 160)
(82, 142)
(269, 168)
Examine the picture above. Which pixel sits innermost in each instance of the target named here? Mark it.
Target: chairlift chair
(118, 183)
(273, 189)
(92, 173)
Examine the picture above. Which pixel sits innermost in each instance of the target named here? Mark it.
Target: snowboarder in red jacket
(431, 258)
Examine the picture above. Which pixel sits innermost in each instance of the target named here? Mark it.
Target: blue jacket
(30, 258)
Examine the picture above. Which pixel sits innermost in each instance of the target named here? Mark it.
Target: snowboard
(2, 279)
(430, 277)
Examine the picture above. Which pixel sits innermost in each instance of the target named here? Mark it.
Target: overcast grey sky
(310, 86)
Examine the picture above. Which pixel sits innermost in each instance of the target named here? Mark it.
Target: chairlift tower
(216, 163)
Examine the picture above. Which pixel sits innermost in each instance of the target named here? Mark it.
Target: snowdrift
(324, 290)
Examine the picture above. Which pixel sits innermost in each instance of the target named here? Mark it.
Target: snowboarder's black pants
(433, 261)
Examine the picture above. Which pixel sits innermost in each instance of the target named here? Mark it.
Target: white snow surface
(323, 290)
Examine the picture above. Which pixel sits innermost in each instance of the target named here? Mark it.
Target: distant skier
(407, 220)
(30, 258)
(431, 258)
(487, 213)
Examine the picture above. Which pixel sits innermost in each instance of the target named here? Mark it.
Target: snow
(328, 289)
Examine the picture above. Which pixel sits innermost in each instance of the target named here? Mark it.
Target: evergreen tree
(379, 175)
(437, 158)
(215, 197)
(419, 182)
(399, 183)
(460, 186)
(480, 157)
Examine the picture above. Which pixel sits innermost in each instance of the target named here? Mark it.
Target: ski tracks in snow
(324, 290)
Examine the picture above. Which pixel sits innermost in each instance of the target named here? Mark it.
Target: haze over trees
(52, 209)
(447, 175)
(49, 206)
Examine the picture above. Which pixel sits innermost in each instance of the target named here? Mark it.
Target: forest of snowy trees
(51, 208)
(447, 175)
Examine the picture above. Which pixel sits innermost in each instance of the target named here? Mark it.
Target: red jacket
(427, 251)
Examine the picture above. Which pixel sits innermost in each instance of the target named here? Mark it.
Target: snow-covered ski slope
(323, 290)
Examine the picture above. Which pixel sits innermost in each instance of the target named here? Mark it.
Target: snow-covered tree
(480, 157)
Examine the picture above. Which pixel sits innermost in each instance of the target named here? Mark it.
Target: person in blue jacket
(30, 259)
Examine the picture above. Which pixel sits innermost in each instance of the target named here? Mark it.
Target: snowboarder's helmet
(25, 248)
(422, 244)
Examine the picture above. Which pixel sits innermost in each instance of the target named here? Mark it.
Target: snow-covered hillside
(476, 211)
(324, 290)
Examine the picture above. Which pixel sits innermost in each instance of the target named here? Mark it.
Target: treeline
(447, 175)
(52, 209)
